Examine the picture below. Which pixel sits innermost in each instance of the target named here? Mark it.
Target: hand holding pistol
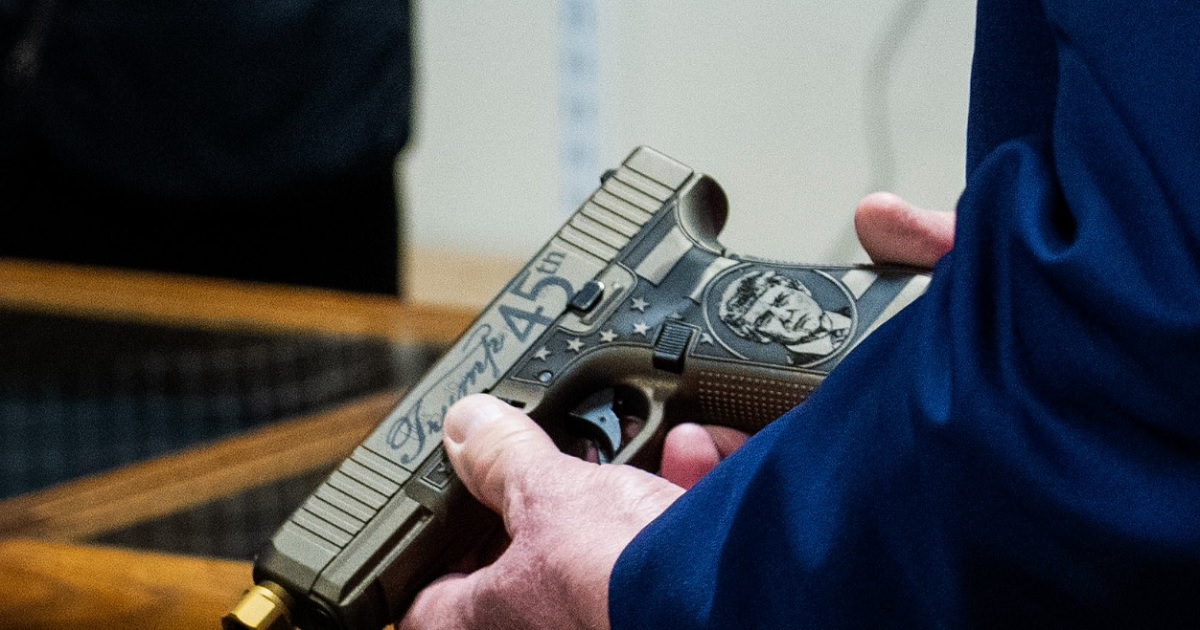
(631, 319)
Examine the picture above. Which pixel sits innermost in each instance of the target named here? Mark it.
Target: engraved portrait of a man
(766, 307)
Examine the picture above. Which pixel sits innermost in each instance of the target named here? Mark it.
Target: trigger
(600, 423)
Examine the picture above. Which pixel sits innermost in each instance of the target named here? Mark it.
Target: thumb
(892, 230)
(493, 446)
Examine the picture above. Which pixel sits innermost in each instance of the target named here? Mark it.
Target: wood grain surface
(57, 582)
(46, 585)
(200, 302)
(107, 502)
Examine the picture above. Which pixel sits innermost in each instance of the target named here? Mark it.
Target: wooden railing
(49, 578)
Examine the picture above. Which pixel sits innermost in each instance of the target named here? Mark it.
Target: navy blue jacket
(1021, 446)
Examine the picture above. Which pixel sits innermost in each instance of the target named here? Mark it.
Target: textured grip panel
(747, 403)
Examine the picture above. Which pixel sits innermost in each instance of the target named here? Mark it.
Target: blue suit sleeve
(1021, 446)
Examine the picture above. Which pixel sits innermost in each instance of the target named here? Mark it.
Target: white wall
(768, 97)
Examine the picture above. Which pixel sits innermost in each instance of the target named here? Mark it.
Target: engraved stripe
(858, 281)
(910, 292)
(665, 255)
(598, 232)
(644, 184)
(609, 219)
(315, 549)
(343, 482)
(658, 167)
(333, 515)
(380, 465)
(620, 207)
(907, 295)
(587, 243)
(346, 503)
(372, 479)
(717, 266)
(318, 526)
(631, 194)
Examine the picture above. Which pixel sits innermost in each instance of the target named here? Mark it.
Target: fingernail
(468, 415)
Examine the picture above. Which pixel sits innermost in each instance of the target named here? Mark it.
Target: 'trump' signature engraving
(409, 432)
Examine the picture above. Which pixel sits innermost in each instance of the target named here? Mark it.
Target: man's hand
(567, 519)
(895, 231)
(892, 231)
(692, 450)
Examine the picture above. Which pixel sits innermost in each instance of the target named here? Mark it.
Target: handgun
(631, 319)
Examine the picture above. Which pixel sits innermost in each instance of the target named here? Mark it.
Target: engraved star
(639, 305)
(607, 335)
(575, 345)
(542, 353)
(641, 328)
(706, 338)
